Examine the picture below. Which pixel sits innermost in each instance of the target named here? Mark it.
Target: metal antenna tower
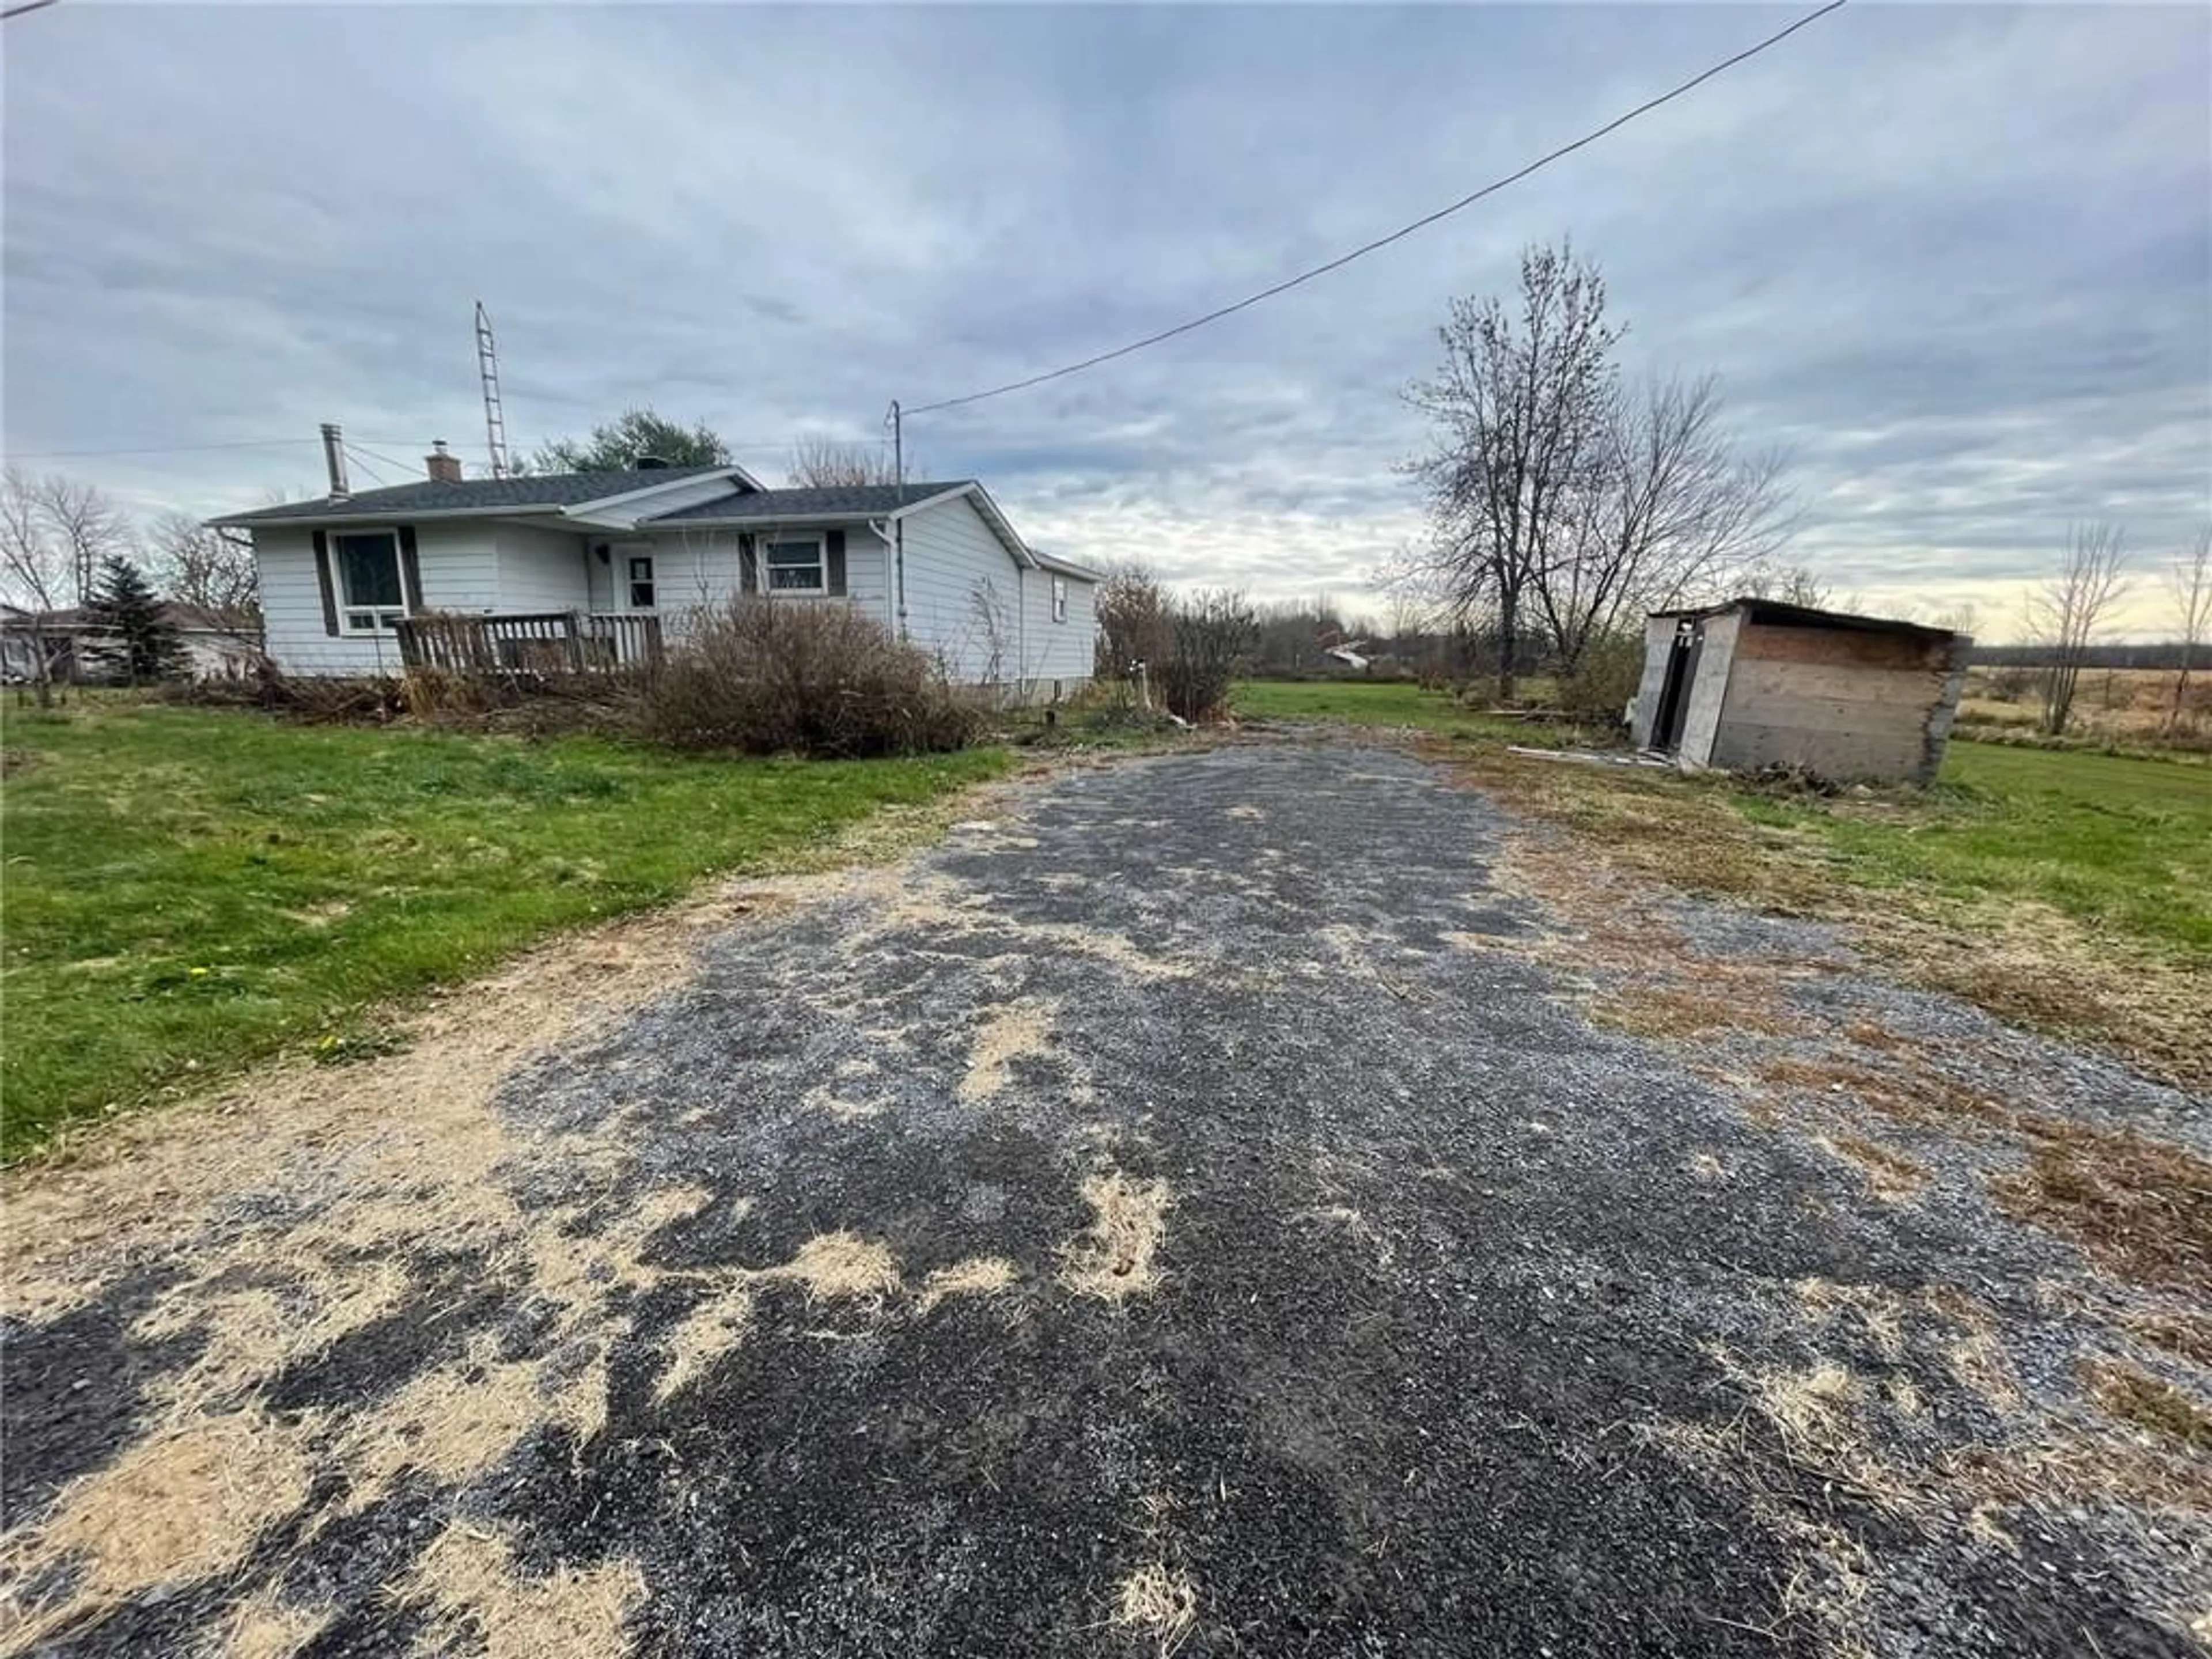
(494, 414)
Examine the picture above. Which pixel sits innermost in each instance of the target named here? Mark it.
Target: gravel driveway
(1214, 1203)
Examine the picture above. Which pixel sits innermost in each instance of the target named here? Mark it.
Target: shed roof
(1775, 613)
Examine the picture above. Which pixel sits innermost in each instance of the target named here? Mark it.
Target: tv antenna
(495, 415)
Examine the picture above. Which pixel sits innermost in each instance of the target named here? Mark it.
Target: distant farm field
(2118, 705)
(187, 889)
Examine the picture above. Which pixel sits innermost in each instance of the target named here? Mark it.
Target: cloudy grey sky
(1958, 258)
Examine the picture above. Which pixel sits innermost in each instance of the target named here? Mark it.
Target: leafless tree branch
(2065, 612)
(825, 463)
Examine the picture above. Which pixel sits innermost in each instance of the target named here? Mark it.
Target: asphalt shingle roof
(545, 489)
(860, 499)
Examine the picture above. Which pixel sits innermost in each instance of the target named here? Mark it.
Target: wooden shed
(1756, 682)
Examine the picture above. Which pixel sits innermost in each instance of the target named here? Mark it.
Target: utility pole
(896, 423)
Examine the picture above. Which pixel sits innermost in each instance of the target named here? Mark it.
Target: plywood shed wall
(1851, 698)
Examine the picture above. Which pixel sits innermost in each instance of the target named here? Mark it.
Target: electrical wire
(363, 461)
(400, 467)
(154, 449)
(1397, 235)
(28, 5)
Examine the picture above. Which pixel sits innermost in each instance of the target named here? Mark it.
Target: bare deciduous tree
(1675, 514)
(1794, 584)
(211, 570)
(89, 528)
(2190, 578)
(825, 463)
(2065, 612)
(1520, 408)
(54, 534)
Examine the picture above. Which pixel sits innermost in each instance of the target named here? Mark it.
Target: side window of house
(371, 596)
(641, 581)
(1059, 598)
(794, 565)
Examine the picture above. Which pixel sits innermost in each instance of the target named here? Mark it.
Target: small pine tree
(146, 647)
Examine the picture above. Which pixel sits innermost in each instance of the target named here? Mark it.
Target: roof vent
(650, 464)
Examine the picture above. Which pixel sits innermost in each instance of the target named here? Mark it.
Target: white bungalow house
(938, 563)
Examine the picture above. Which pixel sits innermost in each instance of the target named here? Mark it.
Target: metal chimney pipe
(334, 459)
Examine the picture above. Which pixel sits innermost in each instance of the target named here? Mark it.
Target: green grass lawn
(1389, 703)
(185, 889)
(2118, 844)
(2124, 846)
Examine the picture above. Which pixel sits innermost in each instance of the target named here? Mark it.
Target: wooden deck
(532, 642)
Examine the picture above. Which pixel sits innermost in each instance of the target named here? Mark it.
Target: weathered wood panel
(1845, 756)
(1756, 680)
(1658, 647)
(1840, 646)
(1818, 714)
(1709, 691)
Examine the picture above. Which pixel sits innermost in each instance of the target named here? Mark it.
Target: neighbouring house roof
(545, 492)
(186, 618)
(1776, 613)
(831, 500)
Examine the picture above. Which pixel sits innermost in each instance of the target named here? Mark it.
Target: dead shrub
(764, 677)
(1604, 680)
(1211, 632)
(1133, 625)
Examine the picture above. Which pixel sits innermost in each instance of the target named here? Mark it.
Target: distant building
(78, 646)
(1755, 682)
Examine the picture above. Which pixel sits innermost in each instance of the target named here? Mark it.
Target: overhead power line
(1397, 235)
(366, 463)
(401, 467)
(154, 449)
(737, 446)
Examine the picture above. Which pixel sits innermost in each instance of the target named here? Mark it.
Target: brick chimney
(444, 468)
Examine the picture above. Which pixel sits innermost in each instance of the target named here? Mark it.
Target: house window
(1059, 599)
(641, 581)
(371, 595)
(795, 566)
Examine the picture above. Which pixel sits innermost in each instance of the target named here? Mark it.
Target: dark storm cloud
(1956, 260)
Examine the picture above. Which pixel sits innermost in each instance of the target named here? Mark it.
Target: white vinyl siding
(1060, 650)
(868, 573)
(701, 566)
(539, 570)
(691, 569)
(460, 562)
(951, 554)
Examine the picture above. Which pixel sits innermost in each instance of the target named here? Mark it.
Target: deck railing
(529, 643)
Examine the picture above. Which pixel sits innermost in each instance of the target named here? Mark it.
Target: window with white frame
(372, 595)
(795, 565)
(641, 581)
(1059, 598)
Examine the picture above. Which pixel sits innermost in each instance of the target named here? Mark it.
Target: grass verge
(186, 889)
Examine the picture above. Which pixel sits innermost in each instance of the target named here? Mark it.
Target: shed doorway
(1675, 694)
